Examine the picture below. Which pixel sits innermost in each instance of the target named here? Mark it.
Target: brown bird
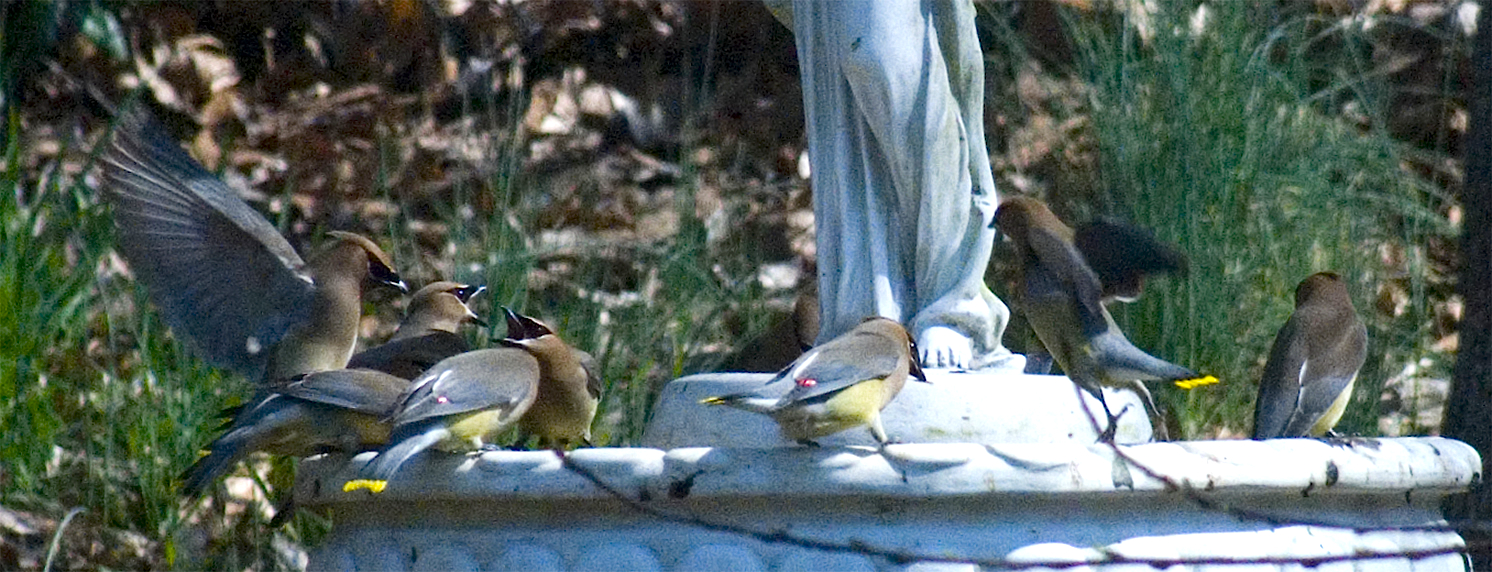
(1122, 255)
(221, 274)
(428, 333)
(1062, 300)
(335, 410)
(569, 389)
(1307, 382)
(461, 404)
(842, 384)
(777, 347)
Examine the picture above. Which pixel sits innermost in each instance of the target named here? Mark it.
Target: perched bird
(428, 333)
(1308, 379)
(841, 384)
(1122, 255)
(569, 389)
(334, 410)
(1062, 299)
(461, 404)
(221, 274)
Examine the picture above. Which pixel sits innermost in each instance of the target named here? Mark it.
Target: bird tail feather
(375, 476)
(222, 455)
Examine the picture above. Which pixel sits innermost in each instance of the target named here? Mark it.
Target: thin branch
(903, 557)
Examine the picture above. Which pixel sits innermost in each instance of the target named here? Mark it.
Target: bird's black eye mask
(385, 275)
(466, 293)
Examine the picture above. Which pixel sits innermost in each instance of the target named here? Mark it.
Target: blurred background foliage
(633, 171)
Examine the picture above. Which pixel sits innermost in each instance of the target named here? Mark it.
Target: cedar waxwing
(1122, 255)
(842, 384)
(1062, 299)
(334, 410)
(428, 333)
(569, 389)
(461, 404)
(1308, 379)
(221, 274)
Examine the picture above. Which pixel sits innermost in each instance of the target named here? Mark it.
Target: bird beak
(916, 368)
(515, 325)
(522, 327)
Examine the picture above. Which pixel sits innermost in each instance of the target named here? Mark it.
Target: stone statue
(902, 188)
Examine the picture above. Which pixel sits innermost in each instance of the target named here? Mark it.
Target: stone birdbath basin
(993, 468)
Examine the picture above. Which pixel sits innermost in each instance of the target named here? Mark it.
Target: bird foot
(945, 348)
(1107, 437)
(1108, 433)
(881, 448)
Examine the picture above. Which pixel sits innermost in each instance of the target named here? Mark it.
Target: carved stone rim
(1430, 465)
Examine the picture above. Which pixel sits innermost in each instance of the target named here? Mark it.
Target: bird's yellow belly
(853, 406)
(471, 431)
(559, 420)
(1334, 413)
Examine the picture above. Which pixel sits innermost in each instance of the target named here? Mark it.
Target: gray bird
(428, 334)
(343, 410)
(569, 389)
(461, 404)
(221, 274)
(1062, 300)
(1307, 382)
(334, 410)
(842, 384)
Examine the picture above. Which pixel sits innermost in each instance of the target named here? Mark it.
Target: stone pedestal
(1058, 500)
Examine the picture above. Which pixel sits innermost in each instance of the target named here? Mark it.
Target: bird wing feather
(873, 356)
(1280, 385)
(1324, 380)
(469, 382)
(199, 248)
(410, 356)
(361, 390)
(593, 384)
(1062, 261)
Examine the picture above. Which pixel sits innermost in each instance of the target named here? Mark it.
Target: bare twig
(903, 557)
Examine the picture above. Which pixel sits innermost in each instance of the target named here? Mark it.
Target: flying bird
(221, 274)
(1061, 297)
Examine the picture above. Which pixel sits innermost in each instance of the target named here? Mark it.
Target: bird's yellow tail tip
(373, 485)
(1196, 382)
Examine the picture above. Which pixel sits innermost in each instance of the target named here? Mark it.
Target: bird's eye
(466, 293)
